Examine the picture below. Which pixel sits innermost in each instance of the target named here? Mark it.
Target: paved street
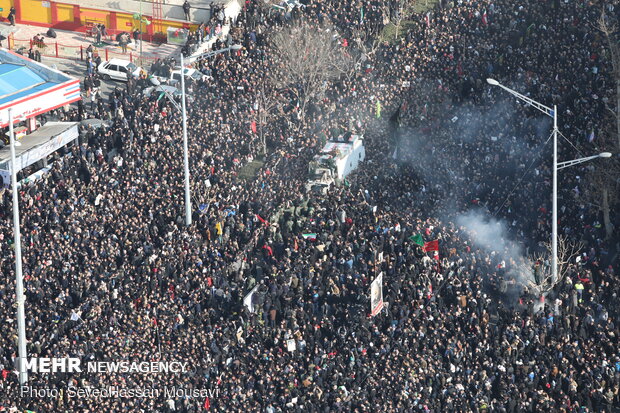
(77, 69)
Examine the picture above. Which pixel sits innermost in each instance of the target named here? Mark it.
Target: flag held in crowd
(310, 236)
(376, 295)
(431, 246)
(247, 300)
(417, 239)
(261, 219)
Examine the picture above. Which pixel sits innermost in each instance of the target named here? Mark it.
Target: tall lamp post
(553, 113)
(182, 109)
(188, 205)
(19, 279)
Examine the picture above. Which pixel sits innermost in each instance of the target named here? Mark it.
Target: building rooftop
(31, 88)
(18, 81)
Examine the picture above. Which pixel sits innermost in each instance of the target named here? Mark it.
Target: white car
(175, 76)
(118, 69)
(189, 73)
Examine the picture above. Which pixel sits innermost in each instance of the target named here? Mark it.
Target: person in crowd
(186, 10)
(123, 41)
(136, 37)
(11, 17)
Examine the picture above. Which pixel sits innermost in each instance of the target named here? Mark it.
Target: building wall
(68, 15)
(35, 11)
(6, 7)
(64, 13)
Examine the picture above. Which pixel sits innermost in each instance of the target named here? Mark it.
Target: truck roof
(344, 148)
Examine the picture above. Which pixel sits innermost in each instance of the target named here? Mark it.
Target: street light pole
(554, 207)
(232, 48)
(155, 82)
(188, 207)
(554, 214)
(141, 61)
(19, 279)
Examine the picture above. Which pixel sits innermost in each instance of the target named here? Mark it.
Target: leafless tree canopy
(609, 30)
(305, 59)
(603, 189)
(603, 181)
(567, 252)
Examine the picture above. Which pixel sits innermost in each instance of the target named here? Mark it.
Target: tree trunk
(618, 110)
(261, 121)
(606, 221)
(262, 137)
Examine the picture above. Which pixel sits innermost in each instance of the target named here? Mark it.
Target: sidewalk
(72, 45)
(231, 11)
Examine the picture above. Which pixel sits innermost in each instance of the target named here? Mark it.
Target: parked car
(118, 69)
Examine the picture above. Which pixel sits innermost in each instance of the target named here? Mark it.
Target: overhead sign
(38, 145)
(39, 89)
(41, 102)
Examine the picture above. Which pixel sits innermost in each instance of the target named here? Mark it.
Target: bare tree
(602, 183)
(267, 102)
(364, 46)
(539, 265)
(305, 59)
(610, 30)
(404, 12)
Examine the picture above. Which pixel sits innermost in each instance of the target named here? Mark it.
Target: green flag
(417, 239)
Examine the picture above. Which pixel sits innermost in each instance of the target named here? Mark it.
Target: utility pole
(188, 207)
(554, 214)
(141, 62)
(19, 279)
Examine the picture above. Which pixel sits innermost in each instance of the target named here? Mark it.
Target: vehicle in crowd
(175, 76)
(118, 69)
(169, 90)
(162, 88)
(337, 159)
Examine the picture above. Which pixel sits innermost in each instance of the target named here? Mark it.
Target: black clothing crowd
(112, 273)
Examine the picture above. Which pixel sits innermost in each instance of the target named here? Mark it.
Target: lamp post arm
(171, 99)
(192, 59)
(566, 164)
(544, 109)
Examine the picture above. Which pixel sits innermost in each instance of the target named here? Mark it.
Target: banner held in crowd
(376, 295)
(247, 301)
(431, 246)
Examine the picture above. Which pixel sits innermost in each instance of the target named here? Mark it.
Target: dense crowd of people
(112, 273)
